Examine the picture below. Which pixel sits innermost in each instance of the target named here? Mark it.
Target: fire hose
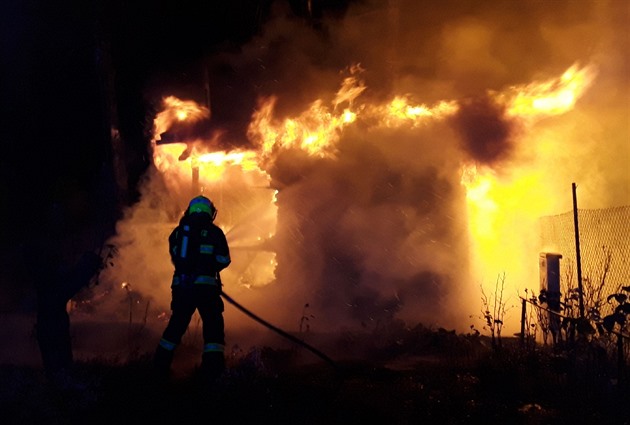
(112, 251)
(276, 329)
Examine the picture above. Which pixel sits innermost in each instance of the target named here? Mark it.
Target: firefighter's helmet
(201, 204)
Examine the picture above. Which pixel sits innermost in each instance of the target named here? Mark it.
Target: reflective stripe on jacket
(199, 251)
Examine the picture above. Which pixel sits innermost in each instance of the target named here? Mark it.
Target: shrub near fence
(605, 258)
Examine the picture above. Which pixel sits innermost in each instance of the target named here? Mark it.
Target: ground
(421, 376)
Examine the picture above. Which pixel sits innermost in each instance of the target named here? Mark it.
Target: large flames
(500, 204)
(552, 97)
(497, 200)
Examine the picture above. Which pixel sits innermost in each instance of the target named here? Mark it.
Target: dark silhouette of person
(199, 251)
(58, 275)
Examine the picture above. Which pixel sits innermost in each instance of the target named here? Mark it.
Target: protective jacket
(199, 250)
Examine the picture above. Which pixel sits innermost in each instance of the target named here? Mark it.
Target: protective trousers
(185, 300)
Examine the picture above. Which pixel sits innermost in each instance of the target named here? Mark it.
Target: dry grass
(410, 376)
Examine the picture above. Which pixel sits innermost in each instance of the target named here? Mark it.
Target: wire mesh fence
(604, 248)
(605, 262)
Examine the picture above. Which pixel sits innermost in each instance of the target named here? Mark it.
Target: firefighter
(199, 251)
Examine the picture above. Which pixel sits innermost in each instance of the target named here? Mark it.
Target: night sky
(73, 71)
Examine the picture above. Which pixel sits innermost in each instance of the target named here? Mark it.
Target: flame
(351, 87)
(211, 166)
(496, 203)
(503, 208)
(318, 129)
(478, 188)
(502, 213)
(166, 157)
(216, 163)
(193, 167)
(180, 158)
(315, 131)
(552, 97)
(482, 211)
(400, 112)
(177, 110)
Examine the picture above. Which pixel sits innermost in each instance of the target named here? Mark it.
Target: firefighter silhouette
(199, 251)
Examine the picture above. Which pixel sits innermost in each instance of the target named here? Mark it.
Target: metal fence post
(523, 311)
(578, 256)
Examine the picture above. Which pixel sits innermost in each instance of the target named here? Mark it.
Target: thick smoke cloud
(379, 232)
(372, 234)
(484, 130)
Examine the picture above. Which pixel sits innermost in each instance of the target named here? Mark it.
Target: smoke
(373, 234)
(486, 134)
(380, 231)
